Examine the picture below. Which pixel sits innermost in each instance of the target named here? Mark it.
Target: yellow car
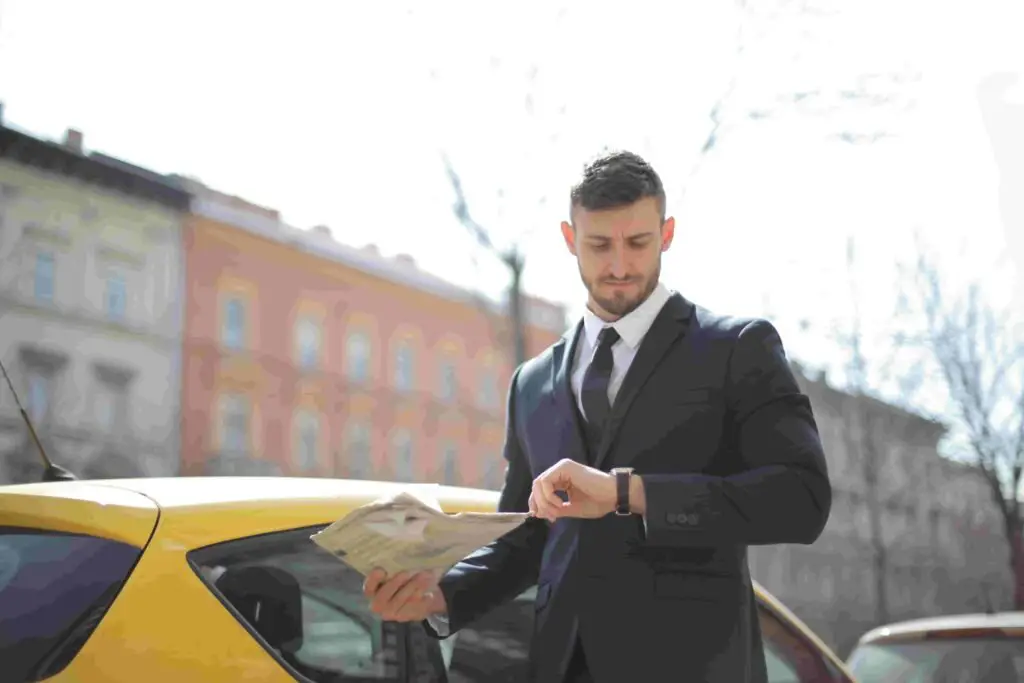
(187, 580)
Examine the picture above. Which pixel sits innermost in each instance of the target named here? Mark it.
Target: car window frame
(194, 559)
(837, 675)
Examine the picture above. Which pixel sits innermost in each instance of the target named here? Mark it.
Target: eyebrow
(630, 238)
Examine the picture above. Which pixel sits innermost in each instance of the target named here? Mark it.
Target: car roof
(971, 624)
(206, 510)
(169, 493)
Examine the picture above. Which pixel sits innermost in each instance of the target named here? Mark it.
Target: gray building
(90, 310)
(911, 533)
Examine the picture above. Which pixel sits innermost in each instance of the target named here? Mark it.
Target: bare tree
(511, 256)
(874, 430)
(978, 353)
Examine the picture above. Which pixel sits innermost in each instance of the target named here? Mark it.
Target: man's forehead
(632, 220)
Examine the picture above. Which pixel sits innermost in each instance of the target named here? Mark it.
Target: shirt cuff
(440, 624)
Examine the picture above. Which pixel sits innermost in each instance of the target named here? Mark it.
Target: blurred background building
(911, 533)
(90, 309)
(306, 356)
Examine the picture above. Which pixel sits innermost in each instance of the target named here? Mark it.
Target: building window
(110, 406)
(307, 343)
(448, 382)
(357, 356)
(401, 455)
(449, 464)
(233, 330)
(358, 450)
(235, 412)
(487, 395)
(404, 370)
(39, 395)
(494, 471)
(44, 276)
(306, 439)
(116, 299)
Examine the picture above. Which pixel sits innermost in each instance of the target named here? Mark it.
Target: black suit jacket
(711, 418)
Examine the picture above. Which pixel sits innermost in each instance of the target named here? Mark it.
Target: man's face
(619, 254)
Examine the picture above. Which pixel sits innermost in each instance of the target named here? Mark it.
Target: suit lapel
(667, 329)
(561, 383)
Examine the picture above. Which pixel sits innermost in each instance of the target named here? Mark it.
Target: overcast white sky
(337, 112)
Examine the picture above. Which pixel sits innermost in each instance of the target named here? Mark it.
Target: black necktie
(594, 392)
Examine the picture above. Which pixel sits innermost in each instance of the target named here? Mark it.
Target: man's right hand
(406, 596)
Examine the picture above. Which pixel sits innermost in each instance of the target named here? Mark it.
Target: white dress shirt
(632, 329)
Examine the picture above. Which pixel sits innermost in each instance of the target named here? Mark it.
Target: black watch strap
(622, 478)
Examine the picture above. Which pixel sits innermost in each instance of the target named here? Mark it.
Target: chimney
(372, 249)
(406, 260)
(73, 140)
(1, 113)
(322, 230)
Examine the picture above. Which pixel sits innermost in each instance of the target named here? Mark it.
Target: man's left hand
(590, 492)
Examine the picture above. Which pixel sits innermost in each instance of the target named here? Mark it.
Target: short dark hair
(615, 180)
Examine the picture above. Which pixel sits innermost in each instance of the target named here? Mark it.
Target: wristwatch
(622, 478)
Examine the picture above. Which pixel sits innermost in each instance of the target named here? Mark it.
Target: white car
(963, 648)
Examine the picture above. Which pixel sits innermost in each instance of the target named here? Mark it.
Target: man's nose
(618, 264)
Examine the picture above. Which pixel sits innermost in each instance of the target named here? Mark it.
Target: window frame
(358, 356)
(115, 289)
(404, 463)
(307, 422)
(404, 359)
(308, 343)
(196, 558)
(50, 259)
(786, 624)
(230, 338)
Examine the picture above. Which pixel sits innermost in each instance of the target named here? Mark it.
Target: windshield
(975, 660)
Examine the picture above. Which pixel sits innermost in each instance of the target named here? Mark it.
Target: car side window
(46, 611)
(790, 657)
(304, 606)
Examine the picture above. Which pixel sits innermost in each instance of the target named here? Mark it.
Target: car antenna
(51, 472)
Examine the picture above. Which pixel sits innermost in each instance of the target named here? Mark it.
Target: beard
(621, 303)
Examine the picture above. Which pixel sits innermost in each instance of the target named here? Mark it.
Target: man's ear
(668, 232)
(569, 233)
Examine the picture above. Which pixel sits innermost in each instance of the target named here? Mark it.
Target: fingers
(549, 486)
(373, 581)
(403, 597)
(545, 500)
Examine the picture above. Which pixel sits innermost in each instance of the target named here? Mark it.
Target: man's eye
(599, 247)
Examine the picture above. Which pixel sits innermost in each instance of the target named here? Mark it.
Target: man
(642, 574)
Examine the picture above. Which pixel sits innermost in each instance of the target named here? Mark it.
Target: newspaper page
(405, 533)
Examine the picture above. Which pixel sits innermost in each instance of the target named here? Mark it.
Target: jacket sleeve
(782, 494)
(502, 570)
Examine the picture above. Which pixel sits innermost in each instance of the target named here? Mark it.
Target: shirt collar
(631, 327)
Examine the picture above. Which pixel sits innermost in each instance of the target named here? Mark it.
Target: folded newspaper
(406, 533)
